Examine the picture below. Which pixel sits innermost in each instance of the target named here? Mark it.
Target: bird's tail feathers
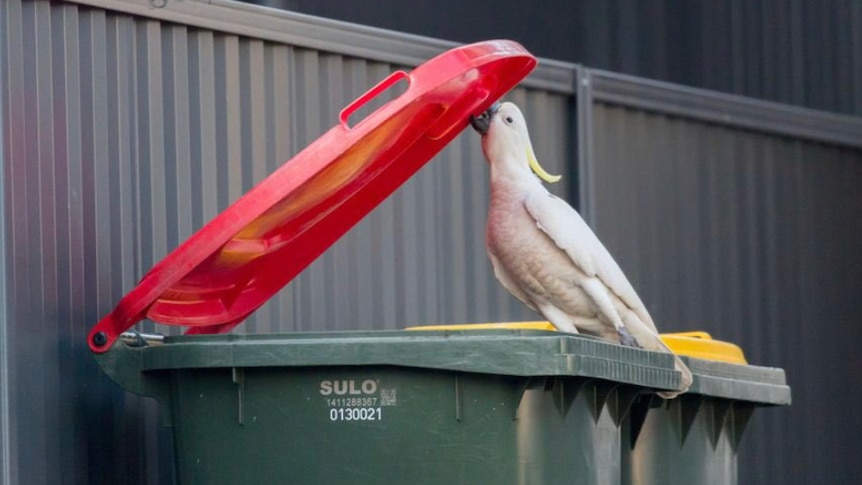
(651, 341)
(684, 381)
(654, 342)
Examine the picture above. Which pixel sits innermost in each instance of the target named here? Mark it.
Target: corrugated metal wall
(124, 133)
(803, 52)
(126, 125)
(749, 228)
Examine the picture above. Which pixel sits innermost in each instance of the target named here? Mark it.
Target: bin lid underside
(237, 261)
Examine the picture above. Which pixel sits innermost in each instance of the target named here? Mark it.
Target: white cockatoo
(544, 253)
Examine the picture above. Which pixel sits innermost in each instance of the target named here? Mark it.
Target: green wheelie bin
(501, 406)
(694, 439)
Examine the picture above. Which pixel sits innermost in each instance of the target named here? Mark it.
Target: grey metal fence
(126, 125)
(742, 218)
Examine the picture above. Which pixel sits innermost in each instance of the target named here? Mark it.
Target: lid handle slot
(372, 93)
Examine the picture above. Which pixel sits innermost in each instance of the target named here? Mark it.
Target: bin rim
(503, 352)
(719, 368)
(698, 344)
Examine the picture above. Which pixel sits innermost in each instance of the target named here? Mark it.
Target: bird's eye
(509, 119)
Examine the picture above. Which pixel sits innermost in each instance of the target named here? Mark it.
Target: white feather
(545, 254)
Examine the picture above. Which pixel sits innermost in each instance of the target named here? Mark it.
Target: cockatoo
(544, 253)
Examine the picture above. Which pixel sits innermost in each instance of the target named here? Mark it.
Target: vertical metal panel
(803, 52)
(6, 447)
(123, 134)
(752, 236)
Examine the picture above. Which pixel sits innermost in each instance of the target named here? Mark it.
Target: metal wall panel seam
(45, 237)
(75, 275)
(202, 48)
(26, 274)
(5, 444)
(99, 163)
(585, 140)
(726, 109)
(177, 77)
(318, 33)
(121, 54)
(856, 42)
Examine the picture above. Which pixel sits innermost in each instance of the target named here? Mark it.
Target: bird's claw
(628, 339)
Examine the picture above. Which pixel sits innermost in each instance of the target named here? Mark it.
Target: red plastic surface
(247, 253)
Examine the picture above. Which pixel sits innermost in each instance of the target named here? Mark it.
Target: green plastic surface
(441, 407)
(495, 407)
(695, 438)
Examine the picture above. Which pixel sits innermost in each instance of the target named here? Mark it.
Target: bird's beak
(537, 168)
(482, 122)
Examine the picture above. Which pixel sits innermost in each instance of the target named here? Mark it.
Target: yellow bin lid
(698, 344)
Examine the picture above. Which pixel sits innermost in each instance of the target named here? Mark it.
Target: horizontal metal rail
(317, 33)
(725, 109)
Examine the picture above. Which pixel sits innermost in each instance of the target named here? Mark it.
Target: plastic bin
(694, 438)
(445, 406)
(437, 407)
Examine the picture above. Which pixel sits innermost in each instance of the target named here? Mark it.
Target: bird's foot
(627, 338)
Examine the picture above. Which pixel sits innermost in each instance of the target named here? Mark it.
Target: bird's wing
(508, 282)
(571, 233)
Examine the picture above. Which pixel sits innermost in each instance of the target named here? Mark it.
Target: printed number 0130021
(355, 414)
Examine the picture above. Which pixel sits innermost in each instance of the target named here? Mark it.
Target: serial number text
(352, 402)
(355, 414)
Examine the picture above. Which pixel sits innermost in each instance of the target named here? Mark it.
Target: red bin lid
(237, 261)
